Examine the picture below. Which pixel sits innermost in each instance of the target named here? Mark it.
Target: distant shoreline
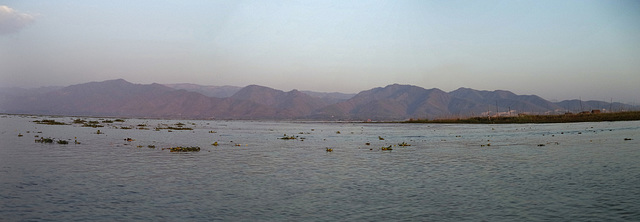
(521, 119)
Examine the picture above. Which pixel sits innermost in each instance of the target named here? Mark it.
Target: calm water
(584, 172)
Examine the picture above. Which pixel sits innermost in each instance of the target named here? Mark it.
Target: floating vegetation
(107, 121)
(44, 140)
(125, 127)
(215, 144)
(488, 144)
(329, 150)
(211, 131)
(387, 148)
(129, 139)
(93, 124)
(367, 144)
(380, 138)
(99, 132)
(118, 120)
(173, 128)
(49, 122)
(337, 132)
(19, 134)
(541, 144)
(179, 124)
(628, 139)
(151, 146)
(285, 137)
(79, 121)
(184, 149)
(404, 144)
(62, 142)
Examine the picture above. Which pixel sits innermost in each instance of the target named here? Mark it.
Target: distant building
(595, 111)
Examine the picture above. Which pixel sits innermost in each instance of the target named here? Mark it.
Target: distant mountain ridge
(393, 102)
(228, 91)
(210, 91)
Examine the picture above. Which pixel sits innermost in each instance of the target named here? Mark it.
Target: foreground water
(532, 172)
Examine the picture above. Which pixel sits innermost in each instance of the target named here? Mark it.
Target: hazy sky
(555, 49)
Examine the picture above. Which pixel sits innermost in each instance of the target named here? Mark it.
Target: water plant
(93, 124)
(44, 140)
(173, 128)
(404, 144)
(215, 143)
(48, 122)
(329, 149)
(387, 148)
(380, 138)
(185, 149)
(285, 137)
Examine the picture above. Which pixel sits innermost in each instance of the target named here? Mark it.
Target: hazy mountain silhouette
(391, 102)
(292, 104)
(228, 91)
(210, 91)
(502, 101)
(394, 102)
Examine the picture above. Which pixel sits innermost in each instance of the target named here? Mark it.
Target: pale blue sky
(555, 49)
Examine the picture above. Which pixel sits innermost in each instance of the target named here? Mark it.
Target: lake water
(584, 172)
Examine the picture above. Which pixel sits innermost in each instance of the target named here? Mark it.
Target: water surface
(533, 172)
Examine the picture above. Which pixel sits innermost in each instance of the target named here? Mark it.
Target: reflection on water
(578, 171)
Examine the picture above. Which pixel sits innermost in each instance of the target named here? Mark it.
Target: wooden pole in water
(581, 109)
(610, 105)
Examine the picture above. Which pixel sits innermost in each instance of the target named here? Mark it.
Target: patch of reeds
(44, 140)
(563, 118)
(48, 122)
(184, 149)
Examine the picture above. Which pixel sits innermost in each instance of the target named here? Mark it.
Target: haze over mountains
(393, 102)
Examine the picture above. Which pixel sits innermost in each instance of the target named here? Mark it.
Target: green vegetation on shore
(563, 118)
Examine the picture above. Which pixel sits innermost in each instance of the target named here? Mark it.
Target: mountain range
(190, 101)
